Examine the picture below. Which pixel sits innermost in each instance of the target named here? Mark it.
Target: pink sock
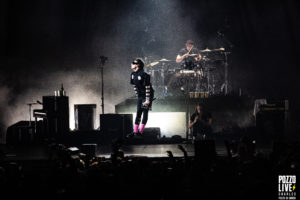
(142, 128)
(136, 128)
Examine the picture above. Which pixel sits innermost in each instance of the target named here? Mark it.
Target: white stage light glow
(170, 123)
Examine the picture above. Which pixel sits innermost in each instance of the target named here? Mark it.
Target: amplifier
(272, 118)
(120, 123)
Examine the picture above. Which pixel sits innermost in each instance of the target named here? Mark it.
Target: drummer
(188, 56)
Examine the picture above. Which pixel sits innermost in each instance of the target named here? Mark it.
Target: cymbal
(152, 64)
(207, 59)
(193, 54)
(213, 50)
(205, 50)
(219, 49)
(164, 60)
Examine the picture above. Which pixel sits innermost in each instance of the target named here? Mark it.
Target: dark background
(46, 43)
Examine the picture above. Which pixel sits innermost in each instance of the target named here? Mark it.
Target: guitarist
(200, 122)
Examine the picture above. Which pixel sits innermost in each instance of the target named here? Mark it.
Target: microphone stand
(103, 59)
(30, 106)
(225, 84)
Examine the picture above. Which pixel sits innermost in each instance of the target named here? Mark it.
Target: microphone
(103, 59)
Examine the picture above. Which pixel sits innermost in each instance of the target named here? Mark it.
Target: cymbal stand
(163, 79)
(225, 84)
(103, 59)
(210, 83)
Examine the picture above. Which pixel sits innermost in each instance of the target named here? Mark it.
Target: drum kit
(196, 79)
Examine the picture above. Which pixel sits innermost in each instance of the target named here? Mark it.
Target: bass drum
(174, 83)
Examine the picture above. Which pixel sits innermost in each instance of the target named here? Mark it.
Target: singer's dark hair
(201, 107)
(139, 62)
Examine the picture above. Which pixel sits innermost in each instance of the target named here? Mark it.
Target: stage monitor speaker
(89, 149)
(116, 123)
(85, 115)
(152, 133)
(205, 149)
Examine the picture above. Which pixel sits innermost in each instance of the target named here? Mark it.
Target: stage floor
(151, 150)
(146, 150)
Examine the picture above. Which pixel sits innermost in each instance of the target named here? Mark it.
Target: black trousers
(205, 130)
(141, 110)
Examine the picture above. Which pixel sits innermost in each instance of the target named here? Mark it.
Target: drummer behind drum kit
(199, 79)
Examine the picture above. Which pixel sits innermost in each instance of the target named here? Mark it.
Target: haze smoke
(72, 44)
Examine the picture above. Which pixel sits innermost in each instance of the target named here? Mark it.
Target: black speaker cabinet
(116, 123)
(20, 133)
(272, 119)
(89, 149)
(85, 115)
(272, 122)
(152, 133)
(57, 109)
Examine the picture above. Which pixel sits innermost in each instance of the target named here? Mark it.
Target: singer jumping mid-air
(145, 93)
